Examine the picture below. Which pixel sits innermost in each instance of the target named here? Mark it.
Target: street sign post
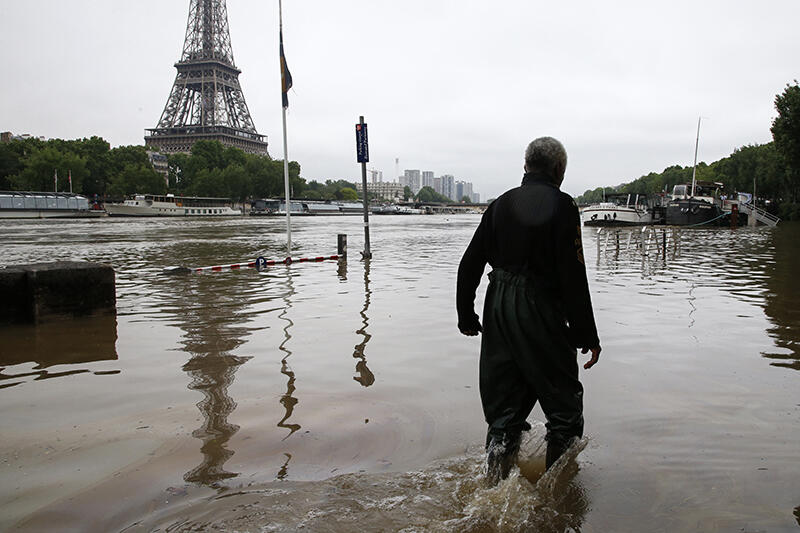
(362, 156)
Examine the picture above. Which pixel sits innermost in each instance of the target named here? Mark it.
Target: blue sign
(261, 263)
(362, 144)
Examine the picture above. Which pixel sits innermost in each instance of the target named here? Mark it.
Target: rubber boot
(555, 449)
(501, 456)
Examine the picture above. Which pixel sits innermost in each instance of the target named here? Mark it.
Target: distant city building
(7, 136)
(375, 175)
(476, 198)
(159, 162)
(463, 188)
(427, 178)
(413, 180)
(448, 186)
(386, 190)
(437, 185)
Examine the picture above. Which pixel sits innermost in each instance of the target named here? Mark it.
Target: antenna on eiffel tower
(286, 84)
(206, 101)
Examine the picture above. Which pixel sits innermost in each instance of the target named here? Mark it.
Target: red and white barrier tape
(262, 263)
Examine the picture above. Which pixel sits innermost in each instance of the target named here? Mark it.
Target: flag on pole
(286, 76)
(70, 181)
(55, 180)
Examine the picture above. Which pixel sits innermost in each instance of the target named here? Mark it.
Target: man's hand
(470, 326)
(595, 356)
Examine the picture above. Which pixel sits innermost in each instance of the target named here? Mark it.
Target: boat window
(679, 190)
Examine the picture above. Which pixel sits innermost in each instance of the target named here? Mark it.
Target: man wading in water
(537, 310)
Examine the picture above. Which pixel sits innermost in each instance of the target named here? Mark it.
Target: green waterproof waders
(526, 357)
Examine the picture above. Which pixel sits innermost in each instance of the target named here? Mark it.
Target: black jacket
(533, 230)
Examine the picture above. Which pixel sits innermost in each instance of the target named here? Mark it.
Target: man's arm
(470, 270)
(573, 283)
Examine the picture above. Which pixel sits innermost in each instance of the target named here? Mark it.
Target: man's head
(547, 155)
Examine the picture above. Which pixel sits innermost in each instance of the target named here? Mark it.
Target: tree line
(211, 169)
(773, 169)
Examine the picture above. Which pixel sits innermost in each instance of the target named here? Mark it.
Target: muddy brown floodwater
(340, 396)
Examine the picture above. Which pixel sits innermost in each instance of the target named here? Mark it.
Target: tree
(41, 165)
(348, 194)
(466, 199)
(428, 195)
(786, 133)
(407, 193)
(137, 179)
(97, 152)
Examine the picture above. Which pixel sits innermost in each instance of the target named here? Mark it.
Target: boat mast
(696, 143)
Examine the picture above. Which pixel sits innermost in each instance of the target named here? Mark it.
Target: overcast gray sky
(456, 87)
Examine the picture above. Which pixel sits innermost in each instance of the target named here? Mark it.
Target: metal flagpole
(285, 144)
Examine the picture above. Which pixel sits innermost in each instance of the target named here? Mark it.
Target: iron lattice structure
(206, 101)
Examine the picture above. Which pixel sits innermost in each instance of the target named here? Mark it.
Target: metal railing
(762, 216)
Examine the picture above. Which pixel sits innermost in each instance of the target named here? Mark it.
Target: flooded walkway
(340, 396)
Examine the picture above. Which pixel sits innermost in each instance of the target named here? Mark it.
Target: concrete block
(64, 288)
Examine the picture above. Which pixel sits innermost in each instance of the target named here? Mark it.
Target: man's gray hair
(547, 154)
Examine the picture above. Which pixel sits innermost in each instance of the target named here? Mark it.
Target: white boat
(151, 205)
(18, 204)
(619, 210)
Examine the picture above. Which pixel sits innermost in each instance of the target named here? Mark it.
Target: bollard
(341, 245)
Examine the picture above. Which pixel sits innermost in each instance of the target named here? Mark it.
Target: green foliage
(214, 170)
(210, 170)
(135, 179)
(40, 166)
(349, 194)
(407, 193)
(786, 134)
(466, 199)
(428, 195)
(330, 190)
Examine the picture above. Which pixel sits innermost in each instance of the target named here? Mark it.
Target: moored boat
(619, 210)
(19, 204)
(693, 205)
(152, 205)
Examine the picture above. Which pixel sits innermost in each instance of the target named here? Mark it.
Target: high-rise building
(437, 185)
(476, 198)
(413, 180)
(427, 178)
(462, 189)
(448, 186)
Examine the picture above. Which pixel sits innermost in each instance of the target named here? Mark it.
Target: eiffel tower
(206, 101)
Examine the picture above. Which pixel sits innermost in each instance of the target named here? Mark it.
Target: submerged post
(362, 154)
(341, 245)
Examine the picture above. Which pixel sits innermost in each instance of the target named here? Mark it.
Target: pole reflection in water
(287, 400)
(365, 375)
